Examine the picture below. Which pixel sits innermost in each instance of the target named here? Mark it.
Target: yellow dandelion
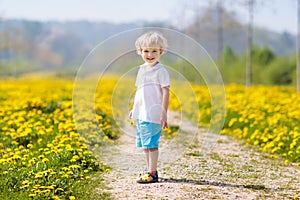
(39, 175)
(45, 160)
(55, 197)
(60, 189)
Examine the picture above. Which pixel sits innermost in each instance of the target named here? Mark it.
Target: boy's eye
(147, 51)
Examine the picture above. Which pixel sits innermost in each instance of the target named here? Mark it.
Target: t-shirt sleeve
(164, 78)
(138, 78)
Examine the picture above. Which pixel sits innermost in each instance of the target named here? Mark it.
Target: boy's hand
(163, 120)
(164, 125)
(130, 115)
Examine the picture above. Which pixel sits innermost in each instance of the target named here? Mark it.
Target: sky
(276, 15)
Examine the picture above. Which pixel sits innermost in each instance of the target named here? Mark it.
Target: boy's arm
(165, 104)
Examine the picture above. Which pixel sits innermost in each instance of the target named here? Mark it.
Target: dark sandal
(148, 178)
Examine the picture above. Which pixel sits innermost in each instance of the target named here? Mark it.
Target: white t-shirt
(148, 98)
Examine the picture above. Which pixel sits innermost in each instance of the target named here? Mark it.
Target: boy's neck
(152, 65)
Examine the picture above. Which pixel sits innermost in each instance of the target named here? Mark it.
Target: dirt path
(230, 170)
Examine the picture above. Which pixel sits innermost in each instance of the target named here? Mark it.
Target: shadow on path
(218, 184)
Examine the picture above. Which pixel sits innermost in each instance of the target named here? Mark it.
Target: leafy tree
(266, 56)
(228, 56)
(213, 26)
(262, 57)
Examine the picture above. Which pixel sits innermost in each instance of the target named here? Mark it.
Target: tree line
(30, 46)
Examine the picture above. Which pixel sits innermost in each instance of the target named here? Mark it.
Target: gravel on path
(224, 169)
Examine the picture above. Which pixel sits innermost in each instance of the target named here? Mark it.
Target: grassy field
(43, 156)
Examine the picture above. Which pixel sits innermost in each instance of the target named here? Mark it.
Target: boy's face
(151, 55)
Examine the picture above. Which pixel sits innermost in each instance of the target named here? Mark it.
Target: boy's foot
(148, 178)
(144, 172)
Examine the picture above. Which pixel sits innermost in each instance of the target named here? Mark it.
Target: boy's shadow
(214, 183)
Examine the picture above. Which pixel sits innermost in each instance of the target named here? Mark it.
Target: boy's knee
(153, 149)
(150, 150)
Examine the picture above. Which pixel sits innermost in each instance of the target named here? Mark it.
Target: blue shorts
(147, 134)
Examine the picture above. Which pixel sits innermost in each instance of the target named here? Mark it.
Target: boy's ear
(139, 51)
(162, 52)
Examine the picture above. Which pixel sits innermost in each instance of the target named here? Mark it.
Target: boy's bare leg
(153, 158)
(146, 151)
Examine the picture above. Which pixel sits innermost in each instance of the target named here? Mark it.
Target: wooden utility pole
(249, 51)
(220, 28)
(298, 46)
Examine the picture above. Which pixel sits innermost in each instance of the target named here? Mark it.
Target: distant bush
(267, 68)
(281, 72)
(16, 67)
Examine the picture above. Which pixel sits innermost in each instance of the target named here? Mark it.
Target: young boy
(151, 100)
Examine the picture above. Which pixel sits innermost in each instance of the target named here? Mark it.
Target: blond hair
(151, 39)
